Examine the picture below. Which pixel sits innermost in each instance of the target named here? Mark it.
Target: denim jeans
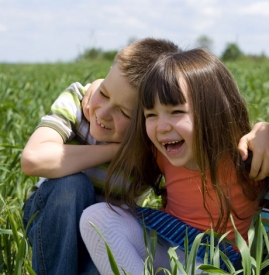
(54, 233)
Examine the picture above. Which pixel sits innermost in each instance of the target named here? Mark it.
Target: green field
(26, 93)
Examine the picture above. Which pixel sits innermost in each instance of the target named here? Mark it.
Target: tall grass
(26, 93)
(253, 81)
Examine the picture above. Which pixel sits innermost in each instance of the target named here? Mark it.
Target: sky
(60, 30)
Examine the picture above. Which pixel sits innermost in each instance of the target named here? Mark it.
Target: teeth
(171, 142)
(101, 124)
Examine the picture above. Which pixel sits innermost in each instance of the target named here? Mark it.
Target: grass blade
(111, 258)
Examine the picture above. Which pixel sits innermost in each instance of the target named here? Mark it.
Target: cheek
(189, 129)
(149, 130)
(121, 124)
(185, 126)
(94, 101)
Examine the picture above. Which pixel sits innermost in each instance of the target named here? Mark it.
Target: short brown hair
(135, 59)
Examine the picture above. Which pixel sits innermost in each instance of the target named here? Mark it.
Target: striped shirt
(67, 118)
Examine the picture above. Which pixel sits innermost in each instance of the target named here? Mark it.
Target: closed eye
(178, 112)
(148, 115)
(103, 95)
(125, 114)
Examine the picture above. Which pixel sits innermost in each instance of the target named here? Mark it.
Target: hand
(258, 142)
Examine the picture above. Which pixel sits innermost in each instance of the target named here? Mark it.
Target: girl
(187, 127)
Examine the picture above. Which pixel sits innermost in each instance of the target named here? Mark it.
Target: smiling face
(110, 107)
(171, 128)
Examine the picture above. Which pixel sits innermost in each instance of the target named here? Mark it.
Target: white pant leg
(125, 238)
(122, 233)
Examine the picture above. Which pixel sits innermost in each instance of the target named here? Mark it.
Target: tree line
(232, 51)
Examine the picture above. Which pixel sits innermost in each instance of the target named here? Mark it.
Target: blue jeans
(54, 233)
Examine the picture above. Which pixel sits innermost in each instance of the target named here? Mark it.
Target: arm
(258, 142)
(46, 155)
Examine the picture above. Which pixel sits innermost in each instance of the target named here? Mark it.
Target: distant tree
(109, 55)
(91, 53)
(205, 42)
(232, 52)
(94, 53)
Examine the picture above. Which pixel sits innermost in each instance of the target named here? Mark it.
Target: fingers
(257, 142)
(260, 168)
(243, 147)
(256, 165)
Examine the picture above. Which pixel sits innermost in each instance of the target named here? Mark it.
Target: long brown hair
(220, 120)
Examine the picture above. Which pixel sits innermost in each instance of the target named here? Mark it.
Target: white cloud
(258, 8)
(3, 28)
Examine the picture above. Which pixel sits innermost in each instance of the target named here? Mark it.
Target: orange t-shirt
(185, 200)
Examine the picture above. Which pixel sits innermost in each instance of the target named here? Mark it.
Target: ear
(93, 87)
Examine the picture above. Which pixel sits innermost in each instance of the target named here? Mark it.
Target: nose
(105, 112)
(163, 125)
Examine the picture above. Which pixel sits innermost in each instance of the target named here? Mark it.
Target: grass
(26, 92)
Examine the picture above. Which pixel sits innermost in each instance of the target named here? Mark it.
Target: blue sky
(59, 30)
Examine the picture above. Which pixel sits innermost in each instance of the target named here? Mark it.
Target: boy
(98, 123)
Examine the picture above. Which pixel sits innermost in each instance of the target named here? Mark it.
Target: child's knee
(74, 190)
(96, 214)
(77, 184)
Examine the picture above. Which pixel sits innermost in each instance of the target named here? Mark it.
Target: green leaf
(5, 231)
(29, 269)
(186, 246)
(251, 232)
(174, 263)
(212, 269)
(259, 244)
(20, 257)
(191, 263)
(13, 228)
(31, 220)
(227, 262)
(244, 250)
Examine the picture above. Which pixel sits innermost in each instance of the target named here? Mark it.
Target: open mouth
(173, 146)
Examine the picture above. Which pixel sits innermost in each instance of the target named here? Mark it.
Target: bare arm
(46, 155)
(258, 142)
